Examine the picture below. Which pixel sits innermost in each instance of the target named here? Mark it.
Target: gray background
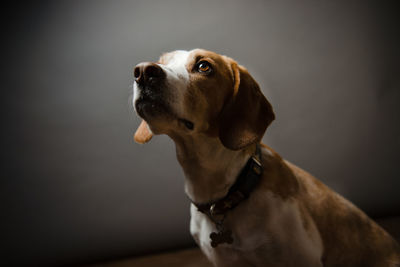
(74, 185)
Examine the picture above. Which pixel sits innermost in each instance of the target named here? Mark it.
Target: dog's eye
(203, 66)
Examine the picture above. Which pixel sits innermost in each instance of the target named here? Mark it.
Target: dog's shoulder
(342, 225)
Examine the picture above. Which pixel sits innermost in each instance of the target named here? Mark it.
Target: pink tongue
(143, 133)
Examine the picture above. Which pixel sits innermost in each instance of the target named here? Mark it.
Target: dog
(249, 206)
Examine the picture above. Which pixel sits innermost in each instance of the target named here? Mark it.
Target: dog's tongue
(143, 133)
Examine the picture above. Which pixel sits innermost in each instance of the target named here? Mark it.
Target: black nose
(146, 71)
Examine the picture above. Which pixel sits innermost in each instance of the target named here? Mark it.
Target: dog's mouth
(148, 108)
(188, 124)
(151, 104)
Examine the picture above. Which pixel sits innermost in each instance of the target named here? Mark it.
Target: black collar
(239, 191)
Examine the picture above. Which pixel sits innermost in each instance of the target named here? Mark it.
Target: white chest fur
(271, 233)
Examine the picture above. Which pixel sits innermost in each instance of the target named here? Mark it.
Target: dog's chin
(158, 114)
(152, 111)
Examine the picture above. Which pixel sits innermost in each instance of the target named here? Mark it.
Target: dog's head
(200, 92)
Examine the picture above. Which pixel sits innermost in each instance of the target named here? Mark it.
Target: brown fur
(246, 115)
(344, 227)
(350, 237)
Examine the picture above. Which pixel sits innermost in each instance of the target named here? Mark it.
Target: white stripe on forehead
(176, 64)
(177, 78)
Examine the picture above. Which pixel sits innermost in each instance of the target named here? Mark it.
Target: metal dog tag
(222, 236)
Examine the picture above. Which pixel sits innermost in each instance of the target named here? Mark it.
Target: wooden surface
(183, 258)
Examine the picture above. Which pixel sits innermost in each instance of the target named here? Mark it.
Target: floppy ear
(143, 133)
(246, 115)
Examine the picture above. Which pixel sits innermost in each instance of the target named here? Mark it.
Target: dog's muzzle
(150, 82)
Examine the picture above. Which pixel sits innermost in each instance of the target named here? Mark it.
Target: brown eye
(203, 66)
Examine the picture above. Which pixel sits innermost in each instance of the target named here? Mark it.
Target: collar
(239, 191)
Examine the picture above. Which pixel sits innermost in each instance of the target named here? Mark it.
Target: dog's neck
(210, 168)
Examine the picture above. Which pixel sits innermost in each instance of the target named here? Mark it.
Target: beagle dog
(249, 206)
